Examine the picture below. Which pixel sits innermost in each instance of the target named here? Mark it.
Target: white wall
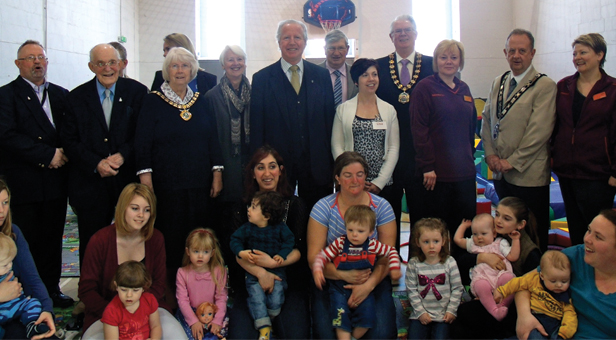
(68, 29)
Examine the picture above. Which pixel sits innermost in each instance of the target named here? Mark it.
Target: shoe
(32, 329)
(60, 300)
(75, 323)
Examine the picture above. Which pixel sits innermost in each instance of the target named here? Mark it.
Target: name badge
(599, 96)
(468, 99)
(379, 126)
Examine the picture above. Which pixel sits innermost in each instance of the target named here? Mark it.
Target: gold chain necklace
(184, 113)
(404, 97)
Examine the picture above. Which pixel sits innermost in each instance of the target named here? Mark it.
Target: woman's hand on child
(355, 276)
(358, 295)
(215, 329)
(395, 274)
(319, 279)
(498, 297)
(48, 319)
(197, 330)
(266, 281)
(263, 260)
(493, 260)
(515, 235)
(425, 319)
(449, 318)
(10, 289)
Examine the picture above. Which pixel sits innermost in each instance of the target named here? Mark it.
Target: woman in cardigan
(131, 237)
(178, 154)
(584, 139)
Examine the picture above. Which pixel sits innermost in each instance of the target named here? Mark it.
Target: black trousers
(584, 199)
(42, 224)
(538, 201)
(92, 218)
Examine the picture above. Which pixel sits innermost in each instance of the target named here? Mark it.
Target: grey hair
(521, 31)
(334, 36)
(182, 55)
(233, 48)
(291, 21)
(29, 42)
(121, 49)
(101, 45)
(403, 17)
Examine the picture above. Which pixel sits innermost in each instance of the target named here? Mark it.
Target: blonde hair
(127, 195)
(7, 227)
(433, 224)
(205, 239)
(447, 46)
(555, 259)
(8, 248)
(361, 214)
(132, 274)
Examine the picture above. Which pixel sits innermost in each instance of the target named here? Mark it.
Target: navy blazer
(28, 142)
(205, 81)
(269, 119)
(389, 92)
(88, 140)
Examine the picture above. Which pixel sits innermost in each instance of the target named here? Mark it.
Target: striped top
(374, 247)
(327, 213)
(450, 291)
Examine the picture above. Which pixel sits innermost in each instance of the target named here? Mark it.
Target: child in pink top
(202, 278)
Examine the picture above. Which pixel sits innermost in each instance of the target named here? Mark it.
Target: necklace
(404, 97)
(184, 108)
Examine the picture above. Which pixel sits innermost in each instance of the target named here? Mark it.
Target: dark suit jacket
(389, 92)
(269, 119)
(88, 140)
(28, 142)
(205, 81)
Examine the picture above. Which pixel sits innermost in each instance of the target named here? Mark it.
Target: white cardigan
(342, 135)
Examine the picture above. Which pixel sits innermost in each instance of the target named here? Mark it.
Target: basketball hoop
(330, 25)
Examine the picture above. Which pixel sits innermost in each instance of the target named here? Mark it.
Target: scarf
(241, 104)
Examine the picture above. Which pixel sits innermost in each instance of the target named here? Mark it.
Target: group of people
(305, 266)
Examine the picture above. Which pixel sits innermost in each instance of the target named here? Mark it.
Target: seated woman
(326, 224)
(266, 172)
(24, 269)
(593, 283)
(131, 237)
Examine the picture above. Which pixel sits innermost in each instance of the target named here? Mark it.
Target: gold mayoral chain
(404, 97)
(184, 113)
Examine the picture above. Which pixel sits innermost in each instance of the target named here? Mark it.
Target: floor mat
(70, 246)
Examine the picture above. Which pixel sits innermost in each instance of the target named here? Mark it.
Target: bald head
(105, 63)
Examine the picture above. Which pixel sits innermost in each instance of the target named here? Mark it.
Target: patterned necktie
(295, 78)
(512, 85)
(337, 88)
(405, 75)
(107, 106)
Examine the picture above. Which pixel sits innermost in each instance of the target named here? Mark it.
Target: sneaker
(33, 330)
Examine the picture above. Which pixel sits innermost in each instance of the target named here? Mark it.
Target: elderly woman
(229, 101)
(266, 172)
(443, 119)
(202, 83)
(178, 154)
(131, 237)
(369, 126)
(326, 223)
(26, 279)
(593, 283)
(584, 139)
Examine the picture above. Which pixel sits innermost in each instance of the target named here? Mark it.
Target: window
(219, 23)
(436, 20)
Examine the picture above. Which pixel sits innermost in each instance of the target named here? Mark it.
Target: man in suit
(292, 109)
(398, 73)
(32, 159)
(98, 139)
(336, 49)
(518, 120)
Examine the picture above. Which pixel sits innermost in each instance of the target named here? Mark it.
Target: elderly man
(292, 110)
(98, 139)
(336, 49)
(123, 55)
(32, 114)
(398, 73)
(518, 120)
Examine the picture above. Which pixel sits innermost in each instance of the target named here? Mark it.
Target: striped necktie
(337, 88)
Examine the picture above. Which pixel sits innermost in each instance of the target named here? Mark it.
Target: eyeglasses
(110, 63)
(32, 58)
(339, 49)
(405, 30)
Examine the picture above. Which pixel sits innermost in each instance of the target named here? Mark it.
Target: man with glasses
(336, 49)
(33, 162)
(398, 73)
(98, 138)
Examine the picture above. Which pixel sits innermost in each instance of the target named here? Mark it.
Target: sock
(32, 329)
(504, 278)
(264, 333)
(484, 293)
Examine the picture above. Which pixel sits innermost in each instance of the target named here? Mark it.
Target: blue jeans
(340, 313)
(385, 322)
(550, 325)
(263, 306)
(433, 330)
